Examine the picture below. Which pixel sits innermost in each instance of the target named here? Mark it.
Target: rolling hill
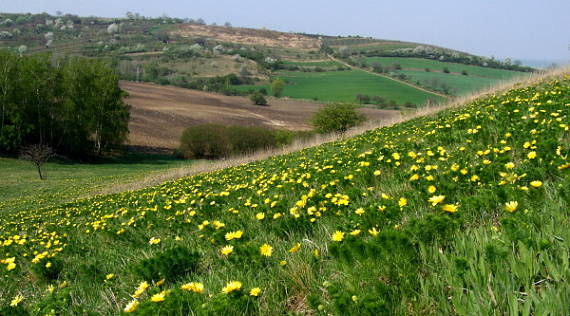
(460, 212)
(235, 60)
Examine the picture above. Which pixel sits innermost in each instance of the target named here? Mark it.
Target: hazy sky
(520, 29)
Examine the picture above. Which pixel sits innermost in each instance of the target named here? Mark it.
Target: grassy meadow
(477, 77)
(22, 189)
(343, 86)
(463, 212)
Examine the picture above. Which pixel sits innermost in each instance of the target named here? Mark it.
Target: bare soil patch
(159, 114)
(247, 36)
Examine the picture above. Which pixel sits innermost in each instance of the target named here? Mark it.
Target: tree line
(73, 105)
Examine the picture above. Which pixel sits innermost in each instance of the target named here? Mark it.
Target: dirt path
(388, 77)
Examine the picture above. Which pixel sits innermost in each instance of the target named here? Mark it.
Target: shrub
(243, 139)
(336, 117)
(169, 264)
(446, 70)
(464, 72)
(258, 99)
(204, 141)
(213, 141)
(277, 87)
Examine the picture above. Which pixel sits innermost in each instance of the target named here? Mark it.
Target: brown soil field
(159, 114)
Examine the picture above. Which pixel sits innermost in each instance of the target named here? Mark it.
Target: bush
(204, 141)
(464, 72)
(336, 117)
(277, 87)
(258, 99)
(214, 141)
(446, 70)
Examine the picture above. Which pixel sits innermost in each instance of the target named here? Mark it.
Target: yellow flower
(531, 155)
(266, 250)
(359, 211)
(295, 248)
(436, 199)
(536, 183)
(355, 232)
(226, 250)
(141, 289)
(231, 287)
(195, 287)
(509, 165)
(16, 300)
(403, 202)
(48, 265)
(260, 216)
(373, 232)
(432, 189)
(511, 206)
(255, 291)
(158, 297)
(338, 236)
(109, 276)
(451, 208)
(131, 307)
(233, 235)
(283, 262)
(160, 282)
(11, 266)
(154, 241)
(377, 172)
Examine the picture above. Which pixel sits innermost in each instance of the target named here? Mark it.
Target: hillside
(235, 60)
(462, 212)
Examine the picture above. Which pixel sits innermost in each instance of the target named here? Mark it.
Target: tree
(336, 117)
(277, 87)
(38, 154)
(258, 99)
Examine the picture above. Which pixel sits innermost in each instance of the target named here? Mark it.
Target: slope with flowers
(463, 212)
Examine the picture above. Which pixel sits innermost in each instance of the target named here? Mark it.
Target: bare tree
(38, 154)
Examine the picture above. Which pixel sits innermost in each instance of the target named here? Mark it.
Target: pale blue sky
(520, 29)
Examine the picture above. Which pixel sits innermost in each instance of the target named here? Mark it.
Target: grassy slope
(21, 187)
(369, 242)
(343, 86)
(478, 77)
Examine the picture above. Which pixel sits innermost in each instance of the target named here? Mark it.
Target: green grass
(459, 84)
(477, 78)
(326, 63)
(463, 212)
(343, 86)
(437, 66)
(21, 187)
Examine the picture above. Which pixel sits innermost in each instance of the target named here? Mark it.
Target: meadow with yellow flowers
(464, 212)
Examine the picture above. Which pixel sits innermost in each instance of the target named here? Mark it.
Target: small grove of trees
(336, 117)
(74, 105)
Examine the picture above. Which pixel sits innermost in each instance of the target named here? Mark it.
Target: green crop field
(21, 187)
(477, 78)
(343, 86)
(321, 63)
(462, 212)
(437, 66)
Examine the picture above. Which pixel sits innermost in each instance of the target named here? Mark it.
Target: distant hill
(237, 61)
